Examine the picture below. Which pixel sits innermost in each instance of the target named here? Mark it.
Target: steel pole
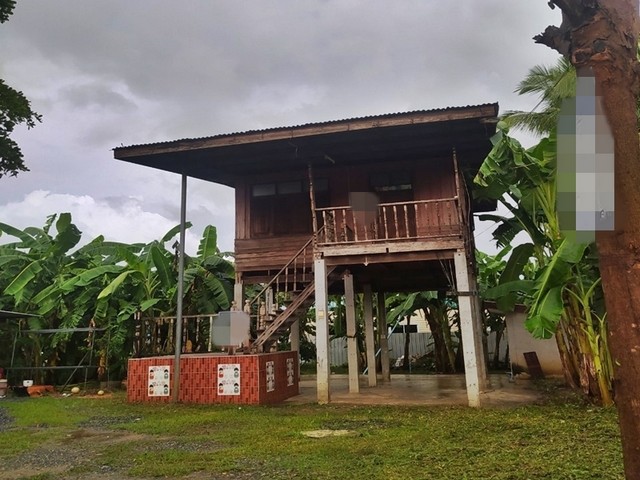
(178, 337)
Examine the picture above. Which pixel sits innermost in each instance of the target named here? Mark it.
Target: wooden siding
(267, 253)
(425, 217)
(242, 212)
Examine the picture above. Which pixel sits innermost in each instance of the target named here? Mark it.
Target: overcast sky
(121, 72)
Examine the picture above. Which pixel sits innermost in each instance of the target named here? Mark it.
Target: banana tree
(146, 282)
(29, 265)
(208, 277)
(565, 300)
(437, 309)
(562, 298)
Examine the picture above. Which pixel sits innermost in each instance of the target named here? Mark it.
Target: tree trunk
(568, 368)
(439, 348)
(448, 341)
(443, 353)
(603, 35)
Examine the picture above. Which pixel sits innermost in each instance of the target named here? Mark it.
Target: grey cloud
(94, 94)
(106, 73)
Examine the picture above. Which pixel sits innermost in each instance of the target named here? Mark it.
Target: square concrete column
(471, 340)
(384, 339)
(481, 343)
(352, 343)
(238, 293)
(370, 337)
(322, 331)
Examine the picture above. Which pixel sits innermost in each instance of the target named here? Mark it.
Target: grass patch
(559, 440)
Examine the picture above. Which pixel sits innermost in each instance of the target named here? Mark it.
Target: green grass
(558, 441)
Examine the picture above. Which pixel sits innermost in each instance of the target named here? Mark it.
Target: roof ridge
(310, 124)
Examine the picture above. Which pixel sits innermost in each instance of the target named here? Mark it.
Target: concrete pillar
(472, 349)
(352, 343)
(384, 339)
(370, 338)
(322, 331)
(238, 293)
(481, 344)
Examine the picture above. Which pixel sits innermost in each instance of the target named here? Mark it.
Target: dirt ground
(78, 456)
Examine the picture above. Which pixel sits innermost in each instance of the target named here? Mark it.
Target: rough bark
(440, 353)
(603, 35)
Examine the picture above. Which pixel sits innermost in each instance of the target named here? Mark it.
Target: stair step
(284, 320)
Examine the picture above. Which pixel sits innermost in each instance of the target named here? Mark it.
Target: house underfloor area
(445, 390)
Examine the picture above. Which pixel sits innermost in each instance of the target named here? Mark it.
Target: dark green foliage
(15, 109)
(6, 9)
(103, 282)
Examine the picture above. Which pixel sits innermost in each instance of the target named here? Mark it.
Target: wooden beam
(294, 336)
(375, 248)
(390, 258)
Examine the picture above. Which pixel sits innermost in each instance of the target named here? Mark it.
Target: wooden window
(288, 188)
(390, 181)
(282, 208)
(319, 185)
(263, 190)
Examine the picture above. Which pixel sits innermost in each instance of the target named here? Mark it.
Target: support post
(312, 202)
(322, 331)
(384, 338)
(269, 301)
(352, 343)
(294, 336)
(472, 347)
(238, 293)
(481, 344)
(175, 394)
(370, 338)
(294, 340)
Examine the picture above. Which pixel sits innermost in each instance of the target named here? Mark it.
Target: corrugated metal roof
(313, 124)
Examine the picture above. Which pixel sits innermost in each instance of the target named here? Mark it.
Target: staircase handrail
(287, 265)
(282, 317)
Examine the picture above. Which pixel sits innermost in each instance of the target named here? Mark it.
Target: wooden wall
(436, 180)
(267, 253)
(271, 229)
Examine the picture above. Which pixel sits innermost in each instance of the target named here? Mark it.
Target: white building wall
(420, 344)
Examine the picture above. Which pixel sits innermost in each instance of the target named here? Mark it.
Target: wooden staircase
(301, 303)
(296, 281)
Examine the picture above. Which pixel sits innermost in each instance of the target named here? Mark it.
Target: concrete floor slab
(420, 390)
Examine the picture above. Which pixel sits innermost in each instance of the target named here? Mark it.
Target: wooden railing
(298, 270)
(420, 219)
(156, 336)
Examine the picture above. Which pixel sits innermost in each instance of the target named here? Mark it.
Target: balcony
(394, 227)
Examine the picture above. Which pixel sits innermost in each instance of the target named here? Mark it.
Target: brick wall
(236, 379)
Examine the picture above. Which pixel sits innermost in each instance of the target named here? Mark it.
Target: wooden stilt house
(373, 204)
